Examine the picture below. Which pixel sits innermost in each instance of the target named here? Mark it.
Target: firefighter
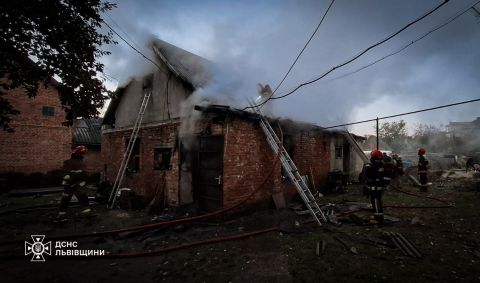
(375, 183)
(74, 183)
(422, 169)
(398, 171)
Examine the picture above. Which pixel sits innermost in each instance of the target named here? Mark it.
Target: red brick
(40, 143)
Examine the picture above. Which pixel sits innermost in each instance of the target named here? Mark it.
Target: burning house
(214, 155)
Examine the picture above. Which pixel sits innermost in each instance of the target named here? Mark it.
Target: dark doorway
(208, 183)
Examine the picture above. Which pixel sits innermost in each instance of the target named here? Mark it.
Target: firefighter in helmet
(74, 183)
(375, 183)
(422, 169)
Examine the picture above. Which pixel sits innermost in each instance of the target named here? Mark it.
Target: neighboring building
(40, 143)
(215, 155)
(88, 132)
(464, 129)
(464, 137)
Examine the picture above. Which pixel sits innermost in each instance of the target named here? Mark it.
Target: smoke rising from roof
(252, 42)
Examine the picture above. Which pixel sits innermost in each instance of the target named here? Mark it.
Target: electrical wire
(298, 56)
(133, 47)
(303, 49)
(450, 20)
(355, 57)
(123, 31)
(404, 114)
(109, 77)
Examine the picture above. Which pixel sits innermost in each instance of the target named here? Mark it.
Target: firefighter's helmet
(421, 151)
(376, 154)
(80, 150)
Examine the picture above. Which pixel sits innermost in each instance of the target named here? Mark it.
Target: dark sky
(256, 42)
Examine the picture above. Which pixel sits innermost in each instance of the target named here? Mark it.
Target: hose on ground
(164, 223)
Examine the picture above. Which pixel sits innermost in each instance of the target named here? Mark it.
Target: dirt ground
(447, 238)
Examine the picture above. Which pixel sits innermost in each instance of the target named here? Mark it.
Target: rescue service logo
(37, 248)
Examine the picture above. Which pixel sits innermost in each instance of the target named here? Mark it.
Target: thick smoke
(252, 43)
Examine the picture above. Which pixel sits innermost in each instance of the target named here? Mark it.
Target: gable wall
(163, 104)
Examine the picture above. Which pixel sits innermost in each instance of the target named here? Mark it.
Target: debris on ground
(445, 239)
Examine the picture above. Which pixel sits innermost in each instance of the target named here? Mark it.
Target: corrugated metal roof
(87, 132)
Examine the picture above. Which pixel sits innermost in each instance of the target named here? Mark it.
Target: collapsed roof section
(288, 124)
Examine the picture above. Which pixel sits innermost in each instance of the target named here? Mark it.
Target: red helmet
(377, 154)
(421, 151)
(80, 149)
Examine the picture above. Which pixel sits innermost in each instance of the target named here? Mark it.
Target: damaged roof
(225, 109)
(289, 124)
(189, 67)
(186, 65)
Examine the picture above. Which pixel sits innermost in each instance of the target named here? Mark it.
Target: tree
(40, 39)
(424, 133)
(393, 133)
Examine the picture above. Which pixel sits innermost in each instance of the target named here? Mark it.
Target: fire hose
(164, 223)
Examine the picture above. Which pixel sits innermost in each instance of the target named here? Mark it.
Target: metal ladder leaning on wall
(128, 151)
(290, 168)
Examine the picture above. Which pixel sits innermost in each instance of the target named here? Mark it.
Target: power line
(122, 30)
(131, 46)
(451, 19)
(109, 77)
(304, 47)
(358, 55)
(364, 51)
(298, 56)
(404, 114)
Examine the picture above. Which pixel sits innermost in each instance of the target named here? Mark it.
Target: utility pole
(377, 133)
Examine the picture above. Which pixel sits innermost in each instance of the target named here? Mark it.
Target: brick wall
(147, 182)
(247, 160)
(311, 154)
(40, 143)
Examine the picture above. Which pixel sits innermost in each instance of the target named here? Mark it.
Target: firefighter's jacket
(75, 176)
(422, 164)
(375, 174)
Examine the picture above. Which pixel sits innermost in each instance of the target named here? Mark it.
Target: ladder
(356, 147)
(290, 168)
(128, 151)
